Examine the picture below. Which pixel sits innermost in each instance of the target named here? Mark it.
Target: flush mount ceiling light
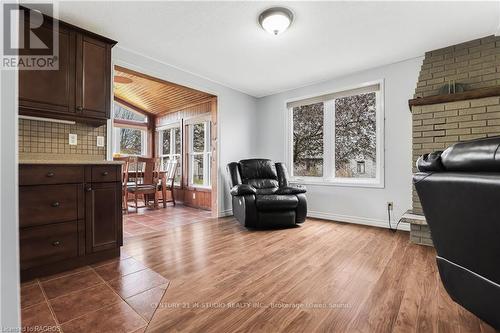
(276, 20)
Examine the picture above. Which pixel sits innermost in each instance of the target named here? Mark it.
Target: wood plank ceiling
(153, 95)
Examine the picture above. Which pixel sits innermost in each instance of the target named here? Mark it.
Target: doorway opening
(173, 126)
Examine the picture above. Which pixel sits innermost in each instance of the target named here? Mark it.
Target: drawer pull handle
(55, 204)
(50, 174)
(79, 108)
(56, 243)
(88, 189)
(105, 173)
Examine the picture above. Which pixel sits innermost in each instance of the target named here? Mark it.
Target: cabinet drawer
(47, 244)
(106, 173)
(49, 204)
(48, 174)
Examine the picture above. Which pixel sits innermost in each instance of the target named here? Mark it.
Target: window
(120, 112)
(199, 154)
(337, 138)
(130, 132)
(170, 148)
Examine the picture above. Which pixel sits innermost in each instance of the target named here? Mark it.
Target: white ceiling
(222, 41)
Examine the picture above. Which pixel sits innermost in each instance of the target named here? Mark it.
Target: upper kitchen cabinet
(93, 77)
(80, 89)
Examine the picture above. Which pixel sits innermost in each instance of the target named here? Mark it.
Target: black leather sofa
(262, 197)
(460, 194)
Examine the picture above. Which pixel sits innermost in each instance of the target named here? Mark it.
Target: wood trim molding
(207, 100)
(132, 106)
(130, 123)
(471, 94)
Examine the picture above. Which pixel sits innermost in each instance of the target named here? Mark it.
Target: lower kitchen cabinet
(70, 216)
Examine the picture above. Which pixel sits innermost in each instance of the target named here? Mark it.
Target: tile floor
(122, 291)
(147, 220)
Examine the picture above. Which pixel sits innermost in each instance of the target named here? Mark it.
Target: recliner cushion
(276, 202)
(476, 155)
(261, 183)
(257, 169)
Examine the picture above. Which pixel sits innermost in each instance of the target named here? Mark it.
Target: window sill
(363, 184)
(199, 188)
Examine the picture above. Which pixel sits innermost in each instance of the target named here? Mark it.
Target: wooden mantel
(471, 94)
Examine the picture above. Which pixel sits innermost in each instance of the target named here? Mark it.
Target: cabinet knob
(50, 174)
(88, 189)
(79, 108)
(55, 204)
(105, 173)
(56, 243)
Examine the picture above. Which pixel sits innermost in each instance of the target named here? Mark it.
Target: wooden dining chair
(125, 168)
(168, 182)
(147, 176)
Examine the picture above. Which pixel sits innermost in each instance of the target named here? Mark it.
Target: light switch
(100, 141)
(73, 139)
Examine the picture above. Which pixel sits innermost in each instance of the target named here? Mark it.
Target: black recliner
(262, 197)
(460, 194)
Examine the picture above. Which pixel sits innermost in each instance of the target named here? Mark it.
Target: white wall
(9, 248)
(354, 204)
(236, 111)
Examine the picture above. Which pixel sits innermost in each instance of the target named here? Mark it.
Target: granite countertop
(72, 162)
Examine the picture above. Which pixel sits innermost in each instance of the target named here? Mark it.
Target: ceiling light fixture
(276, 20)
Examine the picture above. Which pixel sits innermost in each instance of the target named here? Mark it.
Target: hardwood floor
(321, 277)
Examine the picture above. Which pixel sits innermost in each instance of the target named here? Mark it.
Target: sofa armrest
(291, 189)
(242, 189)
(430, 162)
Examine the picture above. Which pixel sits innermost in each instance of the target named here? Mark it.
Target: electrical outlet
(390, 205)
(194, 195)
(73, 139)
(100, 141)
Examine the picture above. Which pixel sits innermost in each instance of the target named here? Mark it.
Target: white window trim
(207, 153)
(329, 136)
(178, 155)
(144, 140)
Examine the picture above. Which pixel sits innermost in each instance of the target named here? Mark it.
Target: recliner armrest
(430, 162)
(242, 189)
(291, 189)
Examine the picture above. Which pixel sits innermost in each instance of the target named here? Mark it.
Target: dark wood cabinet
(49, 91)
(102, 221)
(69, 215)
(80, 89)
(93, 77)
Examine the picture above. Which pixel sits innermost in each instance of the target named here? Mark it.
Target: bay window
(199, 153)
(337, 138)
(169, 148)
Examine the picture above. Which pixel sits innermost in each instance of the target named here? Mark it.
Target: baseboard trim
(357, 220)
(227, 212)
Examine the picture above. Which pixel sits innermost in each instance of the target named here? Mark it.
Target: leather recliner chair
(460, 194)
(262, 197)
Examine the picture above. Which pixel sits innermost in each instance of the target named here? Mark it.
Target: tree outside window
(308, 140)
(336, 136)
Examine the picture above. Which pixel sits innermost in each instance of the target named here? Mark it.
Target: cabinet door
(93, 77)
(50, 91)
(103, 216)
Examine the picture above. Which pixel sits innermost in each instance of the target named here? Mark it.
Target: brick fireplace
(442, 119)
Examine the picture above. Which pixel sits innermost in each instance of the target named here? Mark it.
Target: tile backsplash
(48, 140)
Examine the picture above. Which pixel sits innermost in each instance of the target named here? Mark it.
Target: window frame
(118, 124)
(144, 140)
(207, 153)
(328, 178)
(171, 127)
